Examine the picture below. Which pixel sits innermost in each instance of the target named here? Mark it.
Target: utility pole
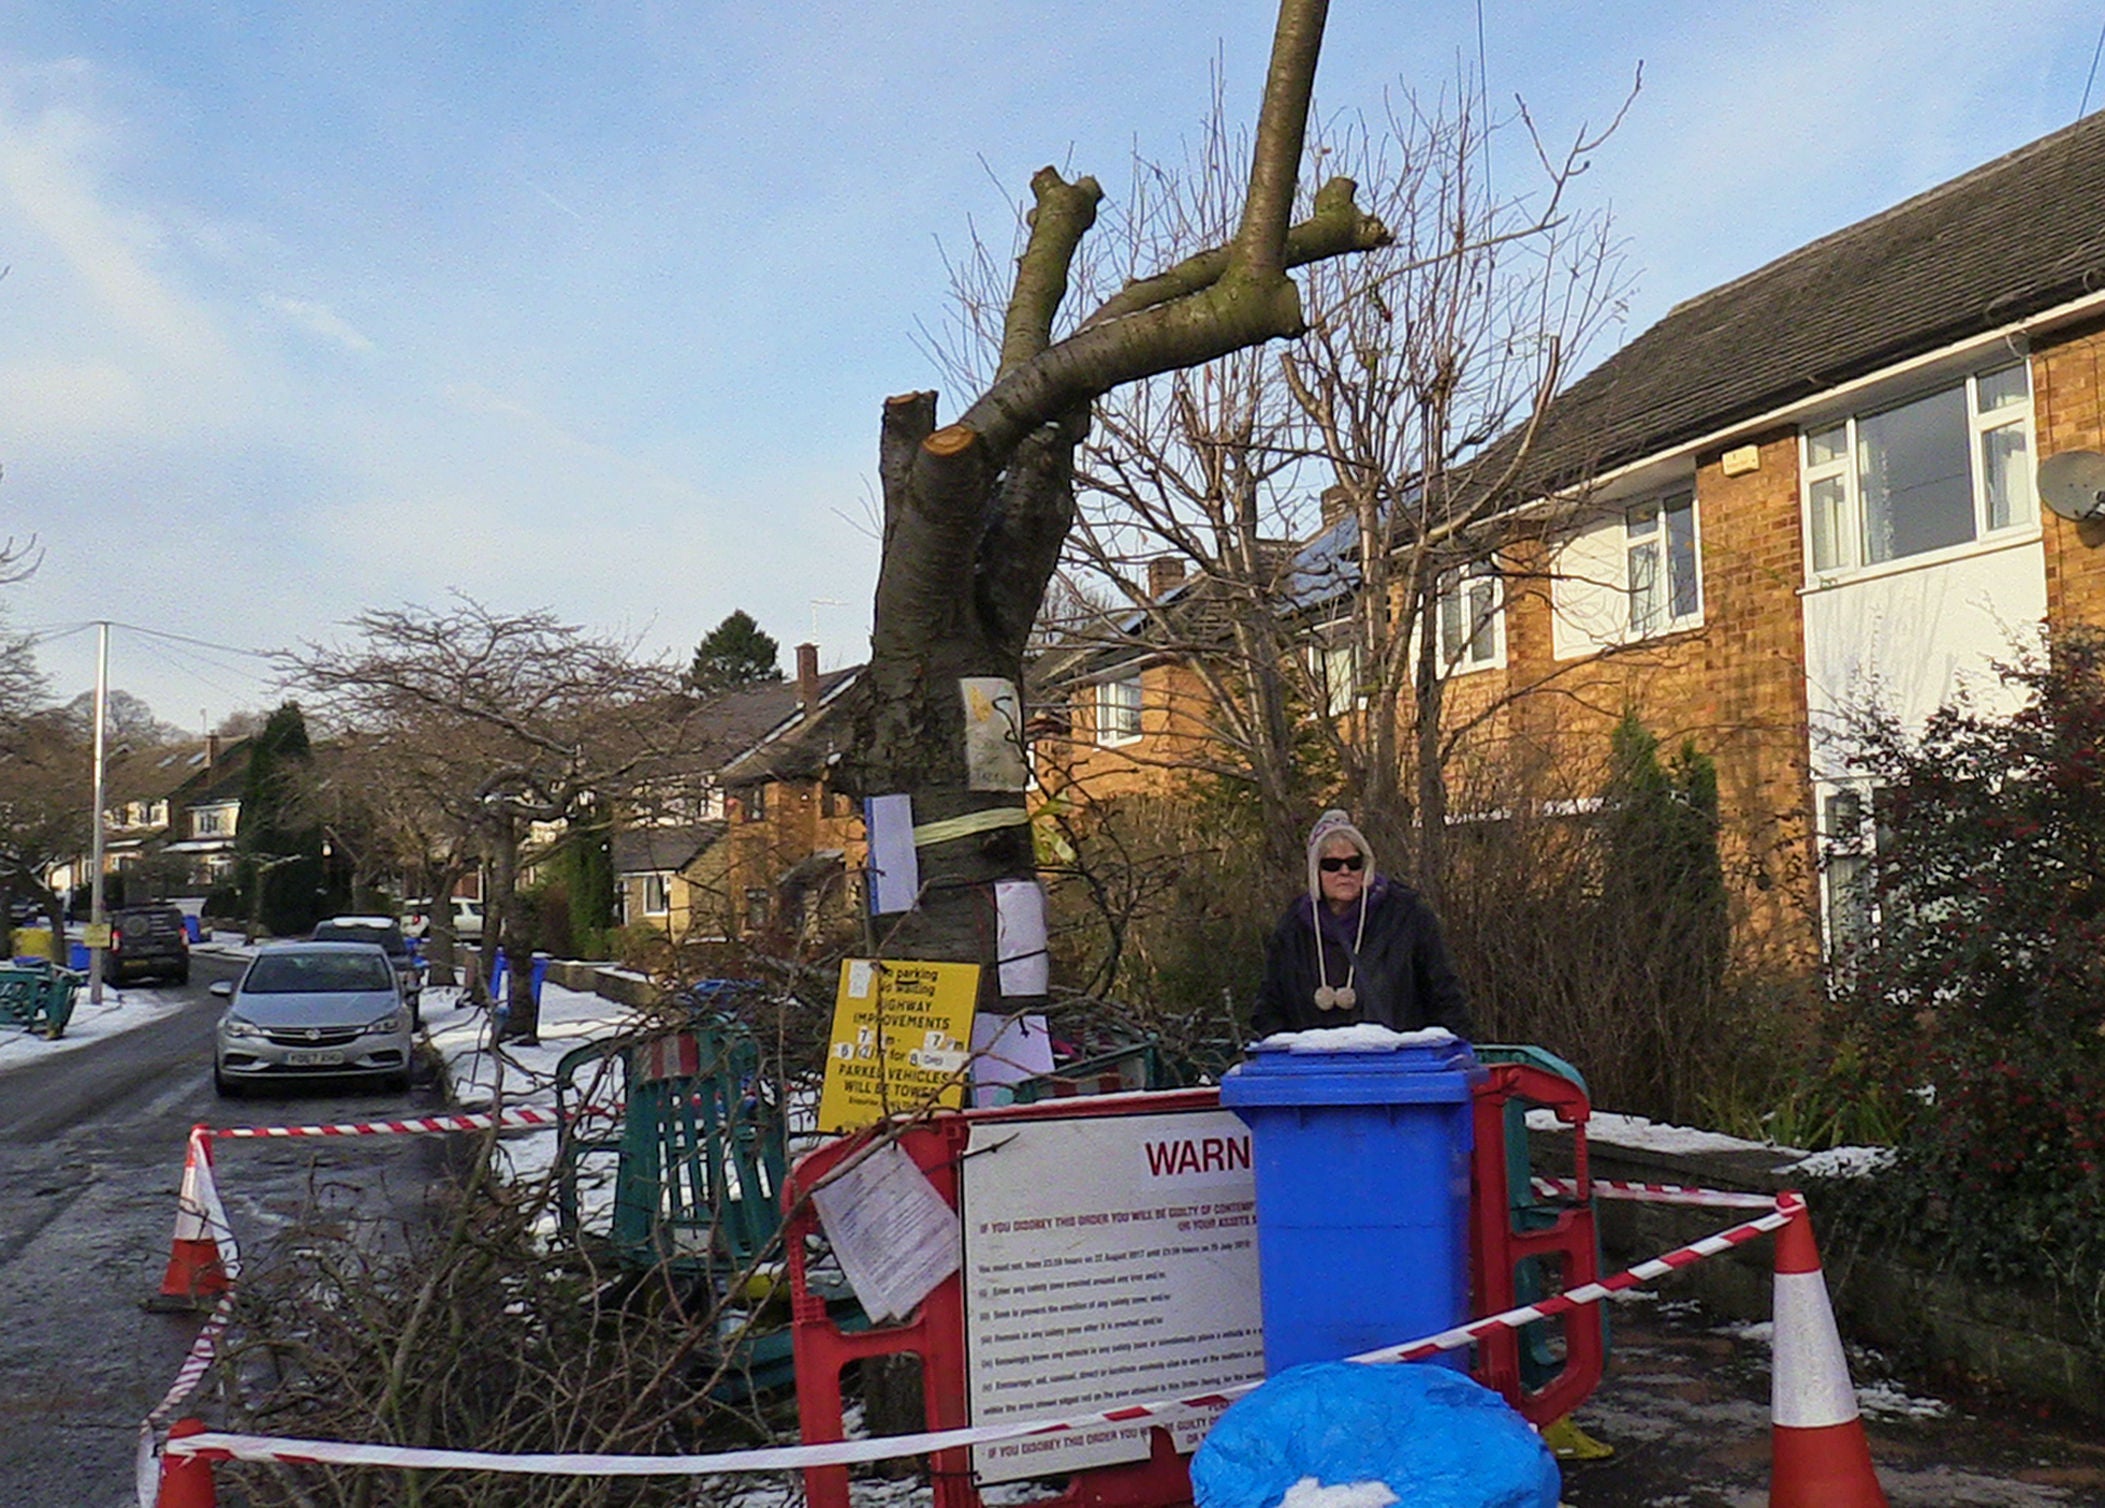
(98, 919)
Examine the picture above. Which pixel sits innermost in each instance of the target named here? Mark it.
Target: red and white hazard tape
(1784, 1208)
(1658, 1193)
(524, 1115)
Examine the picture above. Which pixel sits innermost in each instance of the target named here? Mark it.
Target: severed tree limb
(909, 418)
(1336, 227)
(1064, 214)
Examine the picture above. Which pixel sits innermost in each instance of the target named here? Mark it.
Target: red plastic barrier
(1500, 1241)
(1556, 1237)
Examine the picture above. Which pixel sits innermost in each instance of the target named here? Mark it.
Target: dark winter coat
(1404, 979)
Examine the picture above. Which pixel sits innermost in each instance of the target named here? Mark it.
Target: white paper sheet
(1006, 1049)
(994, 759)
(895, 869)
(1019, 907)
(894, 1235)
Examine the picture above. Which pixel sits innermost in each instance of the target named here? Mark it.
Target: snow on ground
(121, 1010)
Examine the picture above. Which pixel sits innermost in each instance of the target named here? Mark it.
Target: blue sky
(592, 307)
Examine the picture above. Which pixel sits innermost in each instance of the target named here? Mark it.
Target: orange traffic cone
(186, 1481)
(1819, 1455)
(195, 1272)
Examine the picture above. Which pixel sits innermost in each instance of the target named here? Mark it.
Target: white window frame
(1649, 566)
(1119, 702)
(1483, 589)
(657, 894)
(1839, 549)
(1333, 664)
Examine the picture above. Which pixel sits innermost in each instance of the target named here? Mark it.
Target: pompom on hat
(1333, 824)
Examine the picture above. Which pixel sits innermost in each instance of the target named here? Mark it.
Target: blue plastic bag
(1438, 1439)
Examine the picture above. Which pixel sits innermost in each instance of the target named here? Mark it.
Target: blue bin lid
(1438, 1071)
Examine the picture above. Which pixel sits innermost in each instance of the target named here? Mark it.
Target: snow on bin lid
(1353, 1065)
(1361, 1036)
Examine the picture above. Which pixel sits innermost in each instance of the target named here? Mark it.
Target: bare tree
(1330, 502)
(45, 786)
(499, 721)
(976, 512)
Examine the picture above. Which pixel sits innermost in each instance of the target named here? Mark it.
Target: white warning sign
(1108, 1260)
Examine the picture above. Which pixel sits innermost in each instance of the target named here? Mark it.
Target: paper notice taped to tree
(994, 759)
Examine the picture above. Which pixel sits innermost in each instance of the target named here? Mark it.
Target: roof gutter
(2014, 330)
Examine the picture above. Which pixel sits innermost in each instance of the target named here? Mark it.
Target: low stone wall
(2017, 1341)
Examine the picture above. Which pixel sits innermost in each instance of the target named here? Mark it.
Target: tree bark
(975, 513)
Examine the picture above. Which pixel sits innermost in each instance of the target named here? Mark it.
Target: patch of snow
(1362, 1036)
(1754, 1332)
(1883, 1400)
(1309, 1493)
(1636, 1131)
(1841, 1162)
(121, 1011)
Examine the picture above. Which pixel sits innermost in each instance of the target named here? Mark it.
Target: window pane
(2004, 473)
(1643, 521)
(1825, 445)
(1915, 477)
(1451, 624)
(1684, 586)
(1483, 635)
(1827, 499)
(1644, 588)
(2001, 389)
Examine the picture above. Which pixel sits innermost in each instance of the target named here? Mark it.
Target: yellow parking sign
(899, 1033)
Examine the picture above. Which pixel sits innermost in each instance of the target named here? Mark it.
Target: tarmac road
(91, 1158)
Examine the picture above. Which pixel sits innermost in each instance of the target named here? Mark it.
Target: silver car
(313, 1010)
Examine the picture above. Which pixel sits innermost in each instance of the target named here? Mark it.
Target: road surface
(91, 1157)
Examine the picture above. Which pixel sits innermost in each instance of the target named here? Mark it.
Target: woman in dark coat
(1359, 946)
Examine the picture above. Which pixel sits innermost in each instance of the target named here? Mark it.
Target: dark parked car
(313, 1010)
(386, 932)
(147, 940)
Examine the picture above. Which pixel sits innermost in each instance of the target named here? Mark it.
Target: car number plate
(317, 1059)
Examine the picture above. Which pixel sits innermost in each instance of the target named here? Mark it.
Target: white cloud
(319, 319)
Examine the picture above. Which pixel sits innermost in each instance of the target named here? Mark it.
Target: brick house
(1799, 494)
(171, 814)
(792, 853)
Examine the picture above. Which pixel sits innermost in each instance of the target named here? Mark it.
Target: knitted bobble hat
(1333, 824)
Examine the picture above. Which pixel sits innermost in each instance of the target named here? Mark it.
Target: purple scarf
(1342, 929)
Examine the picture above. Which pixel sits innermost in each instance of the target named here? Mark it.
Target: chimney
(1165, 575)
(211, 750)
(808, 677)
(1337, 502)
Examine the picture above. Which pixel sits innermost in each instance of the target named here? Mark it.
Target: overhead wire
(2084, 108)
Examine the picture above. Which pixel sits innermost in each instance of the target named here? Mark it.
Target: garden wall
(2013, 1341)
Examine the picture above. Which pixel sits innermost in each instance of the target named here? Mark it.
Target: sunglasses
(1352, 861)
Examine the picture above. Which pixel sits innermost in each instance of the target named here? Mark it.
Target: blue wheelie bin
(1362, 1162)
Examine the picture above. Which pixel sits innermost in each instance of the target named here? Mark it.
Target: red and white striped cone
(1820, 1457)
(195, 1272)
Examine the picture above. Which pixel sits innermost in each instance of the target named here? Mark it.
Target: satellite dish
(2073, 484)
